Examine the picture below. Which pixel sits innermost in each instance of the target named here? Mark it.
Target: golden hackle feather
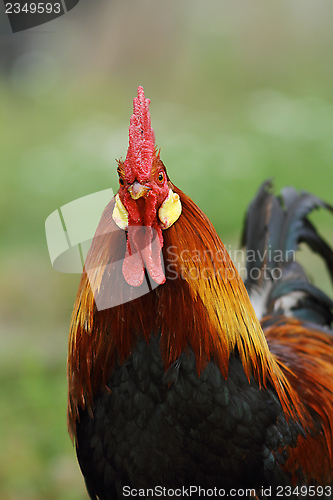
(203, 305)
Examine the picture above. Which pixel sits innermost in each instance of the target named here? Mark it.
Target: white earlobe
(120, 214)
(170, 210)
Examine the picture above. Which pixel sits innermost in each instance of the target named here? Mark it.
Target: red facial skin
(144, 210)
(150, 191)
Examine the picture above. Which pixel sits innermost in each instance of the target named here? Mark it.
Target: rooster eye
(121, 181)
(161, 177)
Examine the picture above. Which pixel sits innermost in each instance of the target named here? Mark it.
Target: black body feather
(199, 431)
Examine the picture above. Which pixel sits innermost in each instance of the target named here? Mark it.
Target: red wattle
(152, 256)
(142, 250)
(133, 268)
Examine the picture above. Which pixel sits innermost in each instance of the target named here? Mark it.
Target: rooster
(178, 384)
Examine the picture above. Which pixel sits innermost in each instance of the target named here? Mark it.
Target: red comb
(141, 141)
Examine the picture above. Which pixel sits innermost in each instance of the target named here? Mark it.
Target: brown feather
(307, 357)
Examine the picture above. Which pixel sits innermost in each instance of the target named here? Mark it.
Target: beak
(137, 190)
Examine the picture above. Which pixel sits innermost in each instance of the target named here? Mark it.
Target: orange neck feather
(202, 305)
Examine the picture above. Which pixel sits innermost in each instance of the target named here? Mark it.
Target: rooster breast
(180, 429)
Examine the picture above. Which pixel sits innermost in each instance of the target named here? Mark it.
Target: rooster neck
(204, 302)
(203, 306)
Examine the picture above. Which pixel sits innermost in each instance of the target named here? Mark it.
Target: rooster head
(145, 204)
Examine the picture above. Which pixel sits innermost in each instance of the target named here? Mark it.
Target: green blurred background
(240, 91)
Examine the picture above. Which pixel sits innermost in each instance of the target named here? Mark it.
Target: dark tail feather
(273, 230)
